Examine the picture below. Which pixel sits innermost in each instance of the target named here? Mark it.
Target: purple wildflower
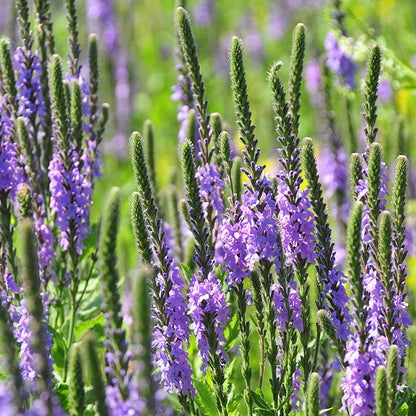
(207, 301)
(297, 227)
(70, 198)
(313, 77)
(204, 12)
(333, 167)
(11, 172)
(168, 341)
(359, 379)
(339, 62)
(29, 69)
(296, 386)
(250, 236)
(385, 92)
(287, 306)
(211, 187)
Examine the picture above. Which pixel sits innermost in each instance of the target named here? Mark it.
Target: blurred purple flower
(339, 62)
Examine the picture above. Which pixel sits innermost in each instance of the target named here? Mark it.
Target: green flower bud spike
(381, 392)
(76, 382)
(313, 396)
(295, 77)
(92, 365)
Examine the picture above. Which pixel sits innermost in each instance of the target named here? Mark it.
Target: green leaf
(263, 407)
(231, 332)
(59, 350)
(205, 398)
(62, 392)
(93, 323)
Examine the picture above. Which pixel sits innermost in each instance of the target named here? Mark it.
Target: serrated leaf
(260, 402)
(205, 398)
(231, 332)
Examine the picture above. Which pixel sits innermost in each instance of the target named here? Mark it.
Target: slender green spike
(327, 325)
(191, 127)
(236, 175)
(76, 114)
(68, 96)
(374, 186)
(107, 260)
(94, 77)
(313, 396)
(356, 173)
(175, 219)
(59, 101)
(141, 234)
(149, 139)
(281, 107)
(216, 126)
(295, 77)
(371, 93)
(105, 115)
(385, 239)
(24, 22)
(399, 198)
(141, 172)
(76, 382)
(7, 71)
(73, 42)
(381, 392)
(26, 145)
(143, 332)
(45, 23)
(93, 366)
(354, 245)
(31, 279)
(11, 361)
(393, 377)
(24, 198)
(190, 55)
(246, 128)
(185, 212)
(199, 226)
(225, 148)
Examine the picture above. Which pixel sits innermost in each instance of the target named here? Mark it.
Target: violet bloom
(29, 69)
(339, 62)
(11, 171)
(359, 380)
(211, 187)
(282, 315)
(118, 405)
(297, 227)
(362, 190)
(71, 193)
(169, 340)
(313, 77)
(385, 91)
(182, 93)
(207, 302)
(333, 171)
(250, 235)
(204, 12)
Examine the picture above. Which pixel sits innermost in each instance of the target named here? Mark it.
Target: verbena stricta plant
(243, 302)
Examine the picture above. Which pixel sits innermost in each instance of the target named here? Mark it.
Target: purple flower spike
(297, 226)
(207, 299)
